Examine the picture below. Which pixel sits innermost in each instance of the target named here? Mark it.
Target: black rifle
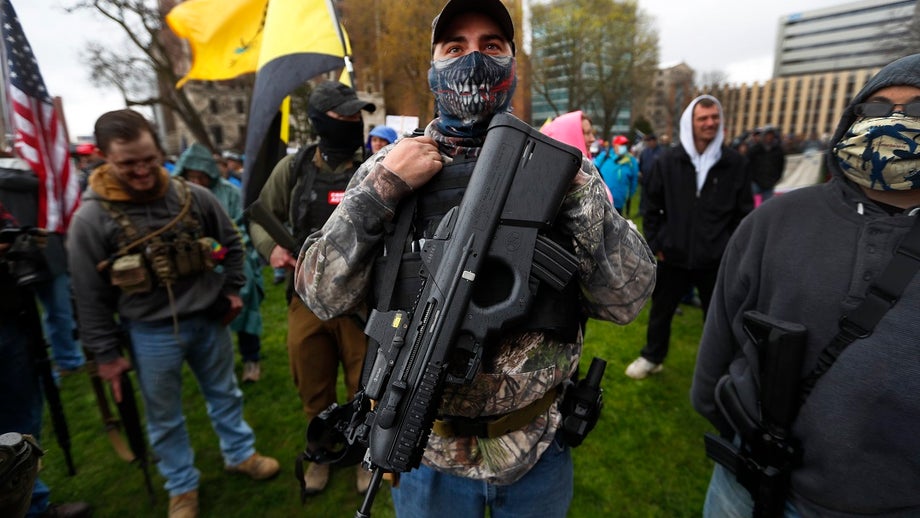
(764, 461)
(514, 194)
(130, 419)
(257, 213)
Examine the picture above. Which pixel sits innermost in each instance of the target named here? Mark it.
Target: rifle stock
(515, 192)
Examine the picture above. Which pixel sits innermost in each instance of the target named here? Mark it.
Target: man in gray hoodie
(143, 253)
(809, 257)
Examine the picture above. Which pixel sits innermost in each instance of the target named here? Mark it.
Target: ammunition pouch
(173, 251)
(130, 273)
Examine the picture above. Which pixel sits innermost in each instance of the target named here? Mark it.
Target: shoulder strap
(882, 295)
(305, 154)
(394, 246)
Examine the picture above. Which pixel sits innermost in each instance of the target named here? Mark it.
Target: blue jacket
(620, 173)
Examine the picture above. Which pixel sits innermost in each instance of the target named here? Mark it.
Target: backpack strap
(882, 295)
(297, 166)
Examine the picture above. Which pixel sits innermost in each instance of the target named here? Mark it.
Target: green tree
(596, 55)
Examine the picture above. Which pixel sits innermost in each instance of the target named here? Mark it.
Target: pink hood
(566, 128)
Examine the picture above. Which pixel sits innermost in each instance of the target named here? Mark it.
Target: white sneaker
(640, 368)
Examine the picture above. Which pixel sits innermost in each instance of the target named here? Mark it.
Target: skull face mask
(470, 89)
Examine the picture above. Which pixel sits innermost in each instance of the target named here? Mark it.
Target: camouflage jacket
(616, 274)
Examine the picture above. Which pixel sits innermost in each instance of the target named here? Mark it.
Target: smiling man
(142, 251)
(466, 470)
(696, 196)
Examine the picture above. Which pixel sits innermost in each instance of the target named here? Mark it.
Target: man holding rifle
(144, 253)
(839, 261)
(467, 468)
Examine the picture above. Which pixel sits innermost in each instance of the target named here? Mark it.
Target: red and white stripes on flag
(39, 134)
(41, 141)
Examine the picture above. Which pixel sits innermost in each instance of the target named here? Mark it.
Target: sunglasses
(884, 109)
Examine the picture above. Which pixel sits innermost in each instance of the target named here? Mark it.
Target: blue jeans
(158, 356)
(726, 498)
(59, 322)
(21, 397)
(544, 492)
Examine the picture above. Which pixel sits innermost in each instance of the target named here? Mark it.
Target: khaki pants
(316, 348)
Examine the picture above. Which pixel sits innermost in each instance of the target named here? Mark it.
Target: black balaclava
(338, 139)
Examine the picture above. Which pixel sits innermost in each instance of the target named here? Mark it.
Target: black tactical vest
(315, 193)
(552, 311)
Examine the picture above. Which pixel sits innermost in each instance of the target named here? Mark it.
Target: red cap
(85, 148)
(620, 140)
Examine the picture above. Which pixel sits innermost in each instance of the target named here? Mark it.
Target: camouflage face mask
(882, 153)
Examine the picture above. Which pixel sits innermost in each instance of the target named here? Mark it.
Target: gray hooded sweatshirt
(808, 256)
(94, 237)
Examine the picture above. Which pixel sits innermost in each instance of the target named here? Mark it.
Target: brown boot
(316, 478)
(184, 505)
(363, 480)
(257, 467)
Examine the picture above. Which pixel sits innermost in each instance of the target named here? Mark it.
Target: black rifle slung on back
(515, 192)
(768, 452)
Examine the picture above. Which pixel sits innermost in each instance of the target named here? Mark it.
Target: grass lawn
(645, 458)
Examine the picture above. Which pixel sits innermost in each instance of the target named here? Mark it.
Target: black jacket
(766, 164)
(692, 230)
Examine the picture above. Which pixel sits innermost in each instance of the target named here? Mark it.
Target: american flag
(40, 137)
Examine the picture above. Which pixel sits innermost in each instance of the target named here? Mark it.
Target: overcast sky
(736, 37)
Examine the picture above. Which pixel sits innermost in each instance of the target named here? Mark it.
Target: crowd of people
(161, 265)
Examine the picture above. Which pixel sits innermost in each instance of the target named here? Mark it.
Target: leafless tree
(145, 69)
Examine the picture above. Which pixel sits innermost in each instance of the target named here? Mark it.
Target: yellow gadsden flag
(301, 40)
(225, 36)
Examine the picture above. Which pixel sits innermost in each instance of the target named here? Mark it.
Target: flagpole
(338, 28)
(5, 101)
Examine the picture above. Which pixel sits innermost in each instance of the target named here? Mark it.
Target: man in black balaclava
(302, 192)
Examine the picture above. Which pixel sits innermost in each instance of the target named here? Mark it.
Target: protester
(197, 165)
(20, 388)
(620, 171)
(650, 152)
(234, 168)
(697, 194)
(767, 161)
(143, 252)
(379, 137)
(302, 191)
(810, 257)
(573, 128)
(527, 472)
(17, 180)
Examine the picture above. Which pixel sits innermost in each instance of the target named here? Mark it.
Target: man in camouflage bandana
(527, 471)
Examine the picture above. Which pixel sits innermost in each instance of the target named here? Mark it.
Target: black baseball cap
(494, 9)
(340, 98)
